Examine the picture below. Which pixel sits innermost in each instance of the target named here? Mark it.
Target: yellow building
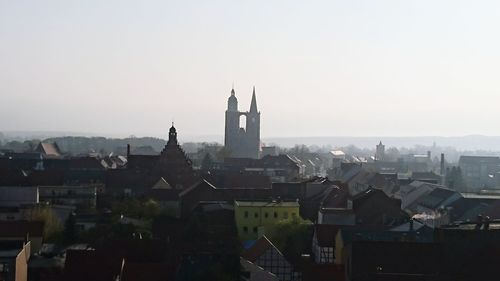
(252, 217)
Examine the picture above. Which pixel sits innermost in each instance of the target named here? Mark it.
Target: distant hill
(472, 142)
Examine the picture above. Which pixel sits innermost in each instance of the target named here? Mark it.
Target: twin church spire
(232, 103)
(242, 142)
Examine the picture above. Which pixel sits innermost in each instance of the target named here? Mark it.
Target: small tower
(380, 152)
(172, 135)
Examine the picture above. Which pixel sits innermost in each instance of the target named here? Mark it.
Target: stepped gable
(173, 164)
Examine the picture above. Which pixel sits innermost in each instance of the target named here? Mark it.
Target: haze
(325, 68)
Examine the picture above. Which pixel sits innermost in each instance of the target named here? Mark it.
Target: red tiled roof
(49, 149)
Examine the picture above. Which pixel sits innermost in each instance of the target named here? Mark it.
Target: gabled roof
(436, 197)
(49, 149)
(257, 273)
(202, 183)
(162, 184)
(85, 163)
(258, 249)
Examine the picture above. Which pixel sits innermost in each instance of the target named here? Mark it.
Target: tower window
(256, 215)
(255, 229)
(266, 215)
(245, 229)
(275, 215)
(246, 214)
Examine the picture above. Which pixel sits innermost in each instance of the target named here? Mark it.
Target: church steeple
(172, 135)
(232, 102)
(253, 105)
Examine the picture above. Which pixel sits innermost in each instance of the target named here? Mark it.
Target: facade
(14, 257)
(32, 231)
(143, 172)
(79, 196)
(479, 171)
(323, 243)
(252, 217)
(17, 196)
(242, 142)
(264, 254)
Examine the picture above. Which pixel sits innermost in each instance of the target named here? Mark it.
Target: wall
(259, 217)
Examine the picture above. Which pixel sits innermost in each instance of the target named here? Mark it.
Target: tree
(455, 180)
(207, 163)
(52, 227)
(291, 237)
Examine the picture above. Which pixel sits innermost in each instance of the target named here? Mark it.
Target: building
(84, 196)
(31, 231)
(253, 272)
(264, 254)
(14, 257)
(479, 171)
(252, 217)
(143, 172)
(380, 152)
(323, 243)
(49, 150)
(242, 142)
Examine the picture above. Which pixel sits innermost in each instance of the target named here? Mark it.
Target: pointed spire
(232, 90)
(253, 105)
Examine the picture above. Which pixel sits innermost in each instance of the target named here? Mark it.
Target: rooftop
(267, 203)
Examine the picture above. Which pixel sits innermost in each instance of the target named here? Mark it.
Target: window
(294, 215)
(256, 215)
(285, 215)
(245, 229)
(275, 215)
(246, 214)
(266, 215)
(4, 267)
(255, 229)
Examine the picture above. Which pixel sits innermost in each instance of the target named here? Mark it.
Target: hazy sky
(321, 68)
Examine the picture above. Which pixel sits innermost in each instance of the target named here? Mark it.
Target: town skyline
(334, 68)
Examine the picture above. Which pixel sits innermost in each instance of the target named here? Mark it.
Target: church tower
(253, 128)
(380, 152)
(173, 165)
(242, 142)
(231, 134)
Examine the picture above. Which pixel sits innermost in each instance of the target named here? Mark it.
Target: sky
(320, 68)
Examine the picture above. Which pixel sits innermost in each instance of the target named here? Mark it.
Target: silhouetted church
(171, 164)
(242, 142)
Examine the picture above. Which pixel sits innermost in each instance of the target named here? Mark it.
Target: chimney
(442, 172)
(128, 150)
(411, 225)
